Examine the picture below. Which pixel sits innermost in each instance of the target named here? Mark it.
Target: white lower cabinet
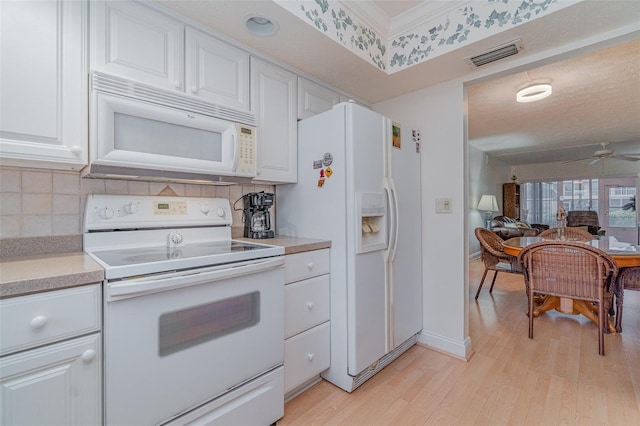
(307, 318)
(59, 382)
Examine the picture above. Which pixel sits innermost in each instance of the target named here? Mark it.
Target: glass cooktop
(133, 256)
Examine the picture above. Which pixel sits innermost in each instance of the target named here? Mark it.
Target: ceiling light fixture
(533, 93)
(261, 26)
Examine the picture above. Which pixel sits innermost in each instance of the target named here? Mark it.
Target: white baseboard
(455, 348)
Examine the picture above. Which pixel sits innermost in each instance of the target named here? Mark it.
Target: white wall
(438, 112)
(556, 171)
(486, 176)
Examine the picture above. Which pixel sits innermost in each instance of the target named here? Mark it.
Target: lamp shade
(488, 203)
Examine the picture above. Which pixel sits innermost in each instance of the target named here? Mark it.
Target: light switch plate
(443, 205)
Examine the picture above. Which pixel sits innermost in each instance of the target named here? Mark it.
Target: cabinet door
(216, 70)
(43, 82)
(57, 384)
(273, 100)
(137, 42)
(314, 98)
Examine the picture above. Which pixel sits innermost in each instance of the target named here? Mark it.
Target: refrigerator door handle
(394, 222)
(392, 219)
(392, 200)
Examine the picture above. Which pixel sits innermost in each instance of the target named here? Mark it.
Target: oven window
(198, 324)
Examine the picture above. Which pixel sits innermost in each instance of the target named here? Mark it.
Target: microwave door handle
(235, 152)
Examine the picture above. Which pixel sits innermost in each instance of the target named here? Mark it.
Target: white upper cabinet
(43, 84)
(314, 98)
(216, 70)
(273, 101)
(137, 42)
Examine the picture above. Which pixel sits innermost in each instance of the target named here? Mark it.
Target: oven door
(176, 341)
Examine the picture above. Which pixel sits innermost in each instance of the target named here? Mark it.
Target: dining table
(623, 254)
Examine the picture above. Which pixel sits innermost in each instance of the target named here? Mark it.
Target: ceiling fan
(605, 153)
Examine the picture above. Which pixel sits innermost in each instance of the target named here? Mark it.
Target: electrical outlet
(443, 205)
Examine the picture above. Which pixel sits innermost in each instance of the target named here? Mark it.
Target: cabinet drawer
(307, 304)
(306, 265)
(306, 355)
(34, 320)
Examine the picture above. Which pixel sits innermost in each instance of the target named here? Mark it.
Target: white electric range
(193, 320)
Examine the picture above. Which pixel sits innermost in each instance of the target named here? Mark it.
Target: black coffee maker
(257, 219)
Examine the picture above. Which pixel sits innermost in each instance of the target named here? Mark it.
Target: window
(619, 216)
(541, 199)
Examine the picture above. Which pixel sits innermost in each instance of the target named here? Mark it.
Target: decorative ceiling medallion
(476, 20)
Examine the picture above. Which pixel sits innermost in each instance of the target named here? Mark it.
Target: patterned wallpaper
(473, 21)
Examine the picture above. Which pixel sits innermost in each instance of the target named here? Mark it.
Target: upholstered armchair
(585, 218)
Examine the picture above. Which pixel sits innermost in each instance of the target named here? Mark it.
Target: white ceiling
(596, 96)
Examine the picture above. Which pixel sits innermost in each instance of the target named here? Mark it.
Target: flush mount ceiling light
(533, 93)
(261, 26)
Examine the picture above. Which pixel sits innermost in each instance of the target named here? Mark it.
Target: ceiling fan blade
(625, 157)
(592, 162)
(575, 161)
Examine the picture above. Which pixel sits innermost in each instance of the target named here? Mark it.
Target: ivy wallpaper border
(476, 20)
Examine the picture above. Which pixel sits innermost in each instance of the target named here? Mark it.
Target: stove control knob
(130, 208)
(220, 212)
(106, 213)
(205, 208)
(176, 237)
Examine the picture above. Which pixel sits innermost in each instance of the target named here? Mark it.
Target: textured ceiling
(595, 99)
(572, 117)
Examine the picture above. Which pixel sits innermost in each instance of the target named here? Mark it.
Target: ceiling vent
(495, 54)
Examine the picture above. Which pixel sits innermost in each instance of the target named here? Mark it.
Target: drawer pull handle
(310, 305)
(310, 356)
(88, 355)
(39, 322)
(310, 265)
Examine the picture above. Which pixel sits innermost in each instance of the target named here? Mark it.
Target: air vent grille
(495, 54)
(119, 86)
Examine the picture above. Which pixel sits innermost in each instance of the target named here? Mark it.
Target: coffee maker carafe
(257, 219)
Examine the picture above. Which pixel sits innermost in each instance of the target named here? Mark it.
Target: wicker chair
(570, 233)
(494, 257)
(573, 270)
(629, 279)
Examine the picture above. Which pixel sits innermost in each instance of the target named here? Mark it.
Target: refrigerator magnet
(328, 172)
(321, 173)
(320, 182)
(327, 159)
(396, 136)
(317, 164)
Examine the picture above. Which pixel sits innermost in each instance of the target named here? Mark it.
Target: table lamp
(488, 204)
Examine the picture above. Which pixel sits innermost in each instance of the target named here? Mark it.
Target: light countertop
(25, 275)
(291, 245)
(34, 274)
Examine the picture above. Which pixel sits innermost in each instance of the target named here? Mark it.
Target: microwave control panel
(246, 150)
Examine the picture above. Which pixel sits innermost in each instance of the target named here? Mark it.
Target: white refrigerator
(359, 186)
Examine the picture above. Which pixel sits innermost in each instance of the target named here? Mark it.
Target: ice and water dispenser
(371, 209)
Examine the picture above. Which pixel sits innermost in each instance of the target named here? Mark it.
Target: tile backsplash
(42, 203)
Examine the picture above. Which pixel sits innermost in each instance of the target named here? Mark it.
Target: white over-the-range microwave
(138, 131)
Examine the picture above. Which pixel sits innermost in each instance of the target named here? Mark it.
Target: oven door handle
(148, 285)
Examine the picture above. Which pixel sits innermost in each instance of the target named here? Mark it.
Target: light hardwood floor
(556, 378)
